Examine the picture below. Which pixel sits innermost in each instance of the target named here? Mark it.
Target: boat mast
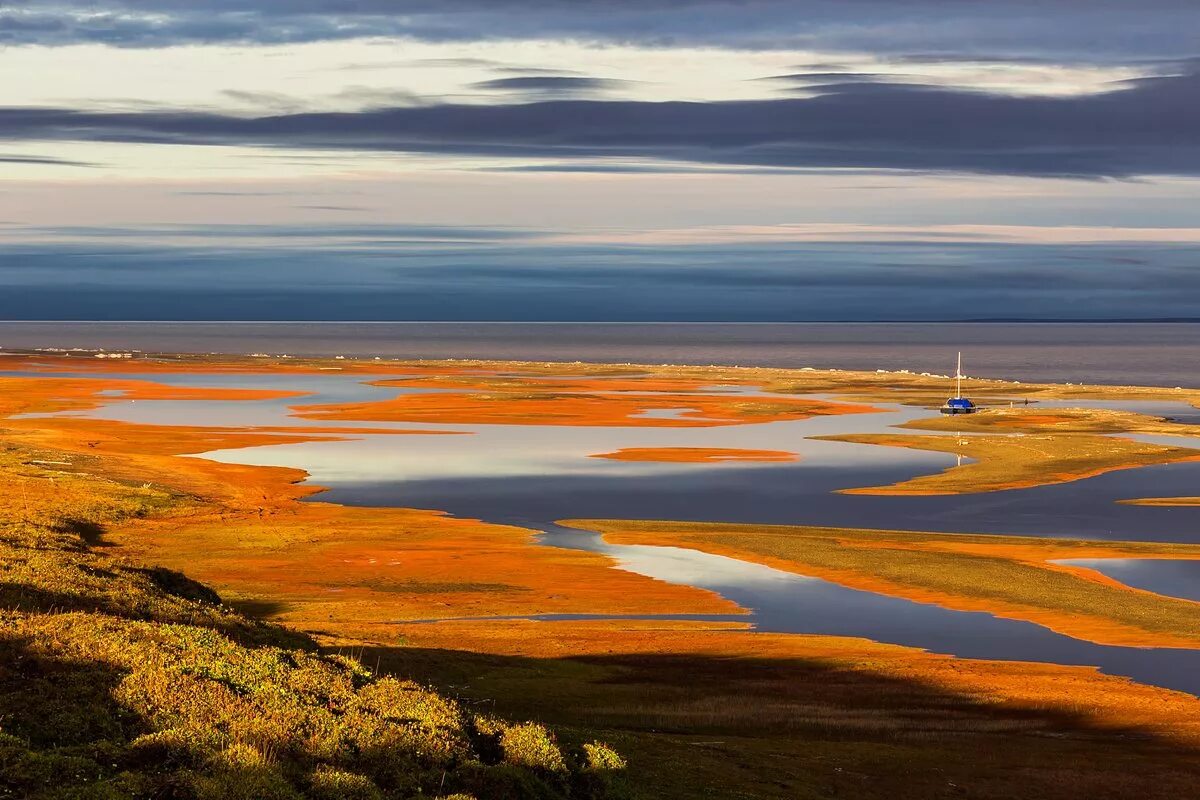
(958, 378)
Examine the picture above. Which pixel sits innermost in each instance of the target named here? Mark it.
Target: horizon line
(987, 321)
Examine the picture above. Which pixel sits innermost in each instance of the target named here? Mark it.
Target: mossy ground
(121, 681)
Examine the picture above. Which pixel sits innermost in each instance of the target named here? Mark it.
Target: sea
(1124, 353)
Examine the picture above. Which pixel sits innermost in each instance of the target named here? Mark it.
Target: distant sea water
(1157, 354)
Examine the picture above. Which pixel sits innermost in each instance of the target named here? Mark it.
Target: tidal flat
(449, 523)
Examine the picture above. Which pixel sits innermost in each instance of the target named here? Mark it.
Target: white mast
(958, 376)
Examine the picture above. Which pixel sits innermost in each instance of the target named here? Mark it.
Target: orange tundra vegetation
(124, 681)
(700, 709)
(623, 409)
(317, 562)
(1009, 576)
(584, 384)
(1016, 462)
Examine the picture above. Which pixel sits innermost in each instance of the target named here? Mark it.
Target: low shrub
(600, 757)
(327, 783)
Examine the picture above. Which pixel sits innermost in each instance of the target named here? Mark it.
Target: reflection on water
(534, 475)
(1172, 577)
(787, 603)
(664, 413)
(1175, 412)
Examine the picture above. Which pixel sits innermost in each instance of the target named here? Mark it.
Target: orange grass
(1030, 419)
(1009, 576)
(534, 383)
(592, 409)
(46, 395)
(1162, 501)
(1015, 462)
(351, 574)
(336, 567)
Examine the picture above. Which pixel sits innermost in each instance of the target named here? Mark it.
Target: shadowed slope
(704, 712)
(122, 681)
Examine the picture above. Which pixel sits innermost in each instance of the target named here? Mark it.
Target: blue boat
(958, 404)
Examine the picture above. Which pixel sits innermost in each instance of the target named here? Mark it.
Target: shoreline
(1025, 351)
(300, 487)
(318, 567)
(858, 380)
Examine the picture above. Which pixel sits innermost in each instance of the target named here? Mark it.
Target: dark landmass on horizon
(912, 321)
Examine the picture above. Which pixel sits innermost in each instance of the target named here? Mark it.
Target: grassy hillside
(121, 681)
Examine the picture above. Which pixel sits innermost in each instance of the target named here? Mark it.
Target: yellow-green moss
(120, 681)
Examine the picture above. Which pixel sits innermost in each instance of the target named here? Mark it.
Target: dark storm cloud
(548, 82)
(841, 76)
(601, 167)
(550, 71)
(1087, 29)
(7, 158)
(1145, 127)
(519, 281)
(809, 82)
(548, 87)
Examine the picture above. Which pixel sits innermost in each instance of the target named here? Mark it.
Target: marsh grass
(1003, 573)
(1013, 462)
(124, 681)
(437, 587)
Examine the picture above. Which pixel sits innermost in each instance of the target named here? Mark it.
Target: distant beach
(1152, 354)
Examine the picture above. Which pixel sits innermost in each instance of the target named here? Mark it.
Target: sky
(609, 160)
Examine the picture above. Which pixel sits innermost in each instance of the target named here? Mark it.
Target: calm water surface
(1176, 578)
(535, 475)
(1130, 353)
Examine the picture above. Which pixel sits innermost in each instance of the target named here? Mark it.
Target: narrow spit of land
(1011, 576)
(998, 463)
(696, 708)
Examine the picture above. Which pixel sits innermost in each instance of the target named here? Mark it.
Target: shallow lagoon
(1171, 577)
(534, 475)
